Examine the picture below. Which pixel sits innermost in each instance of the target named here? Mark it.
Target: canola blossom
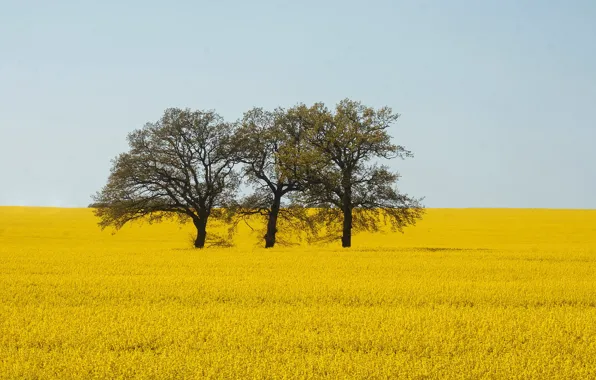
(465, 294)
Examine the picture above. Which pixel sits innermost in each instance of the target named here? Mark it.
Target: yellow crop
(466, 294)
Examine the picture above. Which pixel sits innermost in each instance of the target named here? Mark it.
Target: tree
(266, 140)
(342, 180)
(180, 167)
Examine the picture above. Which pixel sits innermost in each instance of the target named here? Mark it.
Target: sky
(497, 98)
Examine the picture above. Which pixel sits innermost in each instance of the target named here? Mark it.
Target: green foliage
(341, 179)
(185, 167)
(264, 139)
(179, 167)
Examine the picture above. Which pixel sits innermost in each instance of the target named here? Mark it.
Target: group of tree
(308, 166)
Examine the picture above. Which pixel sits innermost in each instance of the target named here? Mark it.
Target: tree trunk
(346, 238)
(201, 225)
(272, 222)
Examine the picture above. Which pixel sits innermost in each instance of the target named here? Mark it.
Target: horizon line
(427, 208)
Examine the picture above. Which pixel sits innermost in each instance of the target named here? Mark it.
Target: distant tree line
(310, 169)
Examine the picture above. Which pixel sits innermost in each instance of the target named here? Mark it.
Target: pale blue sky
(498, 98)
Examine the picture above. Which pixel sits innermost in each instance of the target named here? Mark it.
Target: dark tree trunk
(346, 238)
(272, 222)
(201, 225)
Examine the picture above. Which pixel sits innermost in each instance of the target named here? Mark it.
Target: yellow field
(466, 294)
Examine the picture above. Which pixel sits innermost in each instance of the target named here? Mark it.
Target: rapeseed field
(466, 294)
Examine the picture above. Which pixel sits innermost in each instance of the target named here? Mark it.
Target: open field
(466, 294)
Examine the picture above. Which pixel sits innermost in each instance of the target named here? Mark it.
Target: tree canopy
(342, 180)
(310, 167)
(269, 145)
(181, 166)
